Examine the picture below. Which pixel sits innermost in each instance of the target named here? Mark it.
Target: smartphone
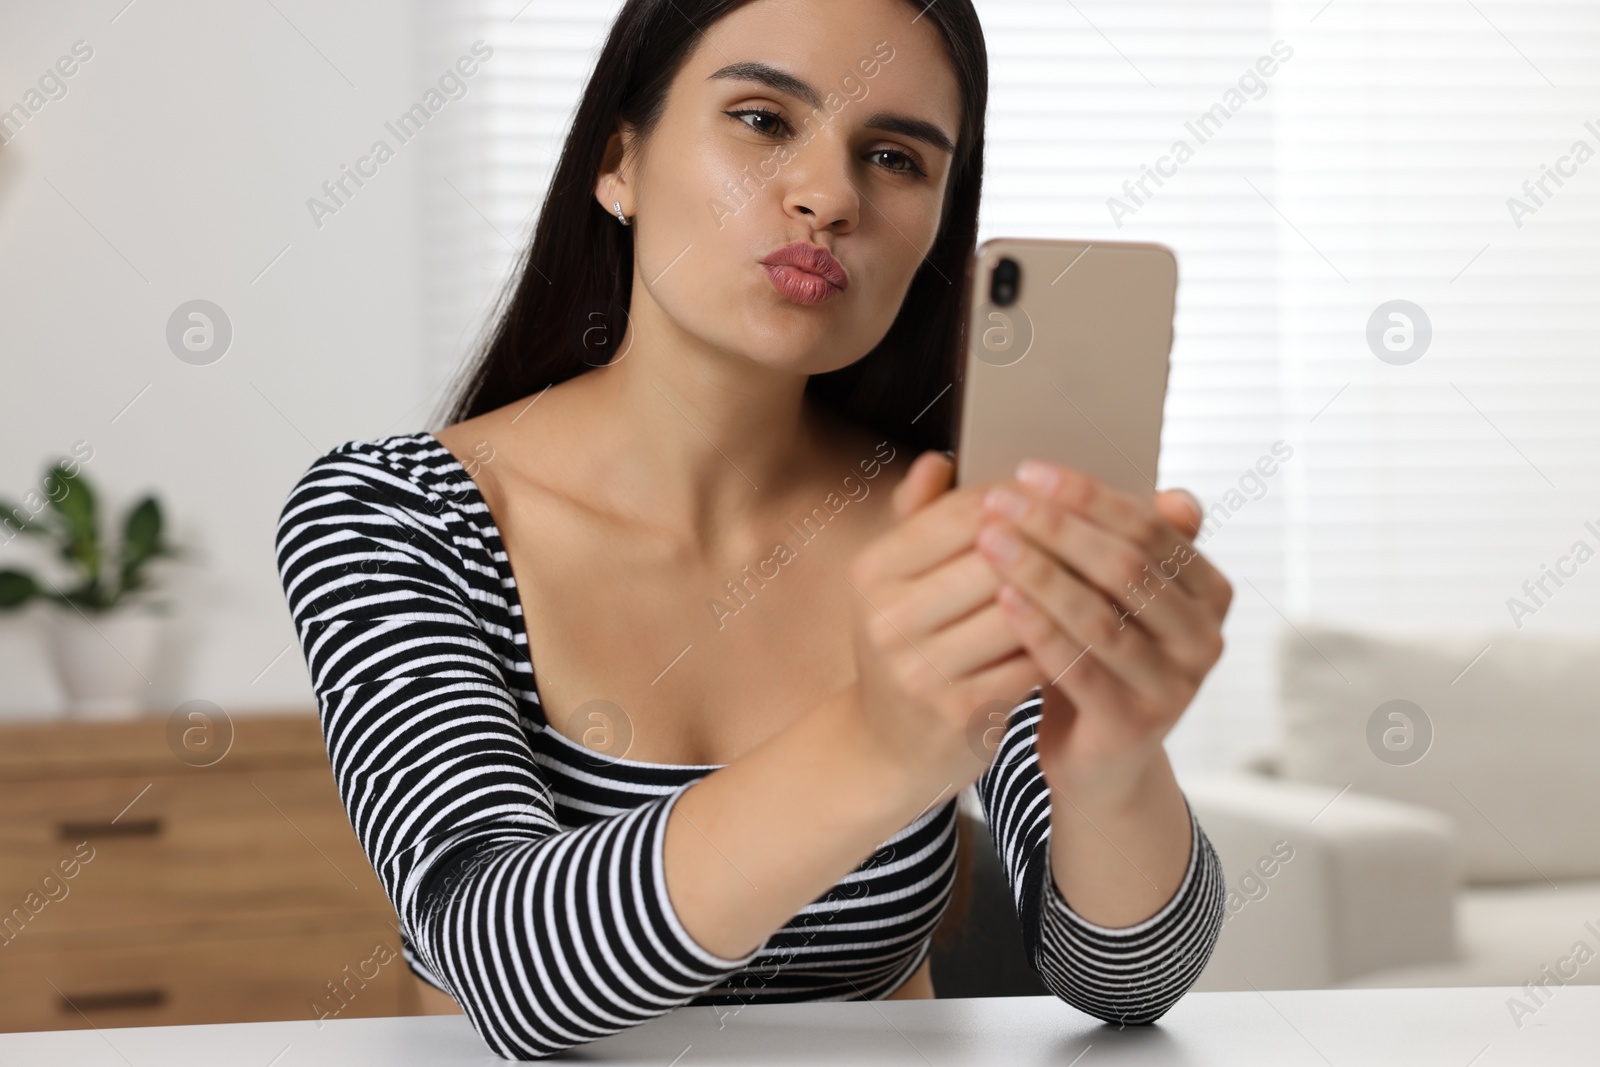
(1066, 354)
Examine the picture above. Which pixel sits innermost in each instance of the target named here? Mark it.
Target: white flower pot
(105, 661)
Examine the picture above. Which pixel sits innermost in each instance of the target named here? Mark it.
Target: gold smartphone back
(1074, 369)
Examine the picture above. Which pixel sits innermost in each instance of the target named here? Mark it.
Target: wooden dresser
(157, 872)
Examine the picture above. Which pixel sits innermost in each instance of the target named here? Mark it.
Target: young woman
(653, 679)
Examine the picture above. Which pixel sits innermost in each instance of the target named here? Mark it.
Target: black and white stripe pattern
(527, 872)
(1126, 975)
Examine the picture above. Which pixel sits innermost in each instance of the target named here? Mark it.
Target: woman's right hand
(935, 656)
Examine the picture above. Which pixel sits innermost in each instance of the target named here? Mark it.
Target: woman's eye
(900, 162)
(772, 117)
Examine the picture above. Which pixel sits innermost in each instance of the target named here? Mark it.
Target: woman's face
(852, 154)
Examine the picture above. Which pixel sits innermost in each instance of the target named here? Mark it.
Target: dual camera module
(1004, 281)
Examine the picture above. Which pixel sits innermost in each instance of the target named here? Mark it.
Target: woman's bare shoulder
(498, 446)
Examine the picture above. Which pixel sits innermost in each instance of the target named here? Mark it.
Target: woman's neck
(702, 443)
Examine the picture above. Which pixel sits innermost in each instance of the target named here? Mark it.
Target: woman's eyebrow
(786, 83)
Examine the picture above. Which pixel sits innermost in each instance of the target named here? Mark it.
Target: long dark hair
(563, 312)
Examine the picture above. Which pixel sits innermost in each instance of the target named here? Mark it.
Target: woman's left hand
(1108, 594)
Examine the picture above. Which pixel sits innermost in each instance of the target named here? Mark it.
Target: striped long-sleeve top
(526, 870)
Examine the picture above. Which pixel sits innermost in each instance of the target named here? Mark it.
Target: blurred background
(1384, 388)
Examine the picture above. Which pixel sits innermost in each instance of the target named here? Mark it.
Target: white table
(1408, 1027)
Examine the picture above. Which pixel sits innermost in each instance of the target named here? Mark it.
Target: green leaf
(70, 495)
(142, 530)
(16, 589)
(74, 501)
(141, 542)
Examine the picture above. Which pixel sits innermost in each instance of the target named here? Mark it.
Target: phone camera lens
(1003, 284)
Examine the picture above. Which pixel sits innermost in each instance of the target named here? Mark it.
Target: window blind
(1310, 163)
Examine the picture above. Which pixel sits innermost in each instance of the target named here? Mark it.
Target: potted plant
(105, 628)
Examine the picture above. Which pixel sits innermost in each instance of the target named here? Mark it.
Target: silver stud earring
(617, 206)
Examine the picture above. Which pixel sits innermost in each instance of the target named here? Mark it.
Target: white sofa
(1364, 853)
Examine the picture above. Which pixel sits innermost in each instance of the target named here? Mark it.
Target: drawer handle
(127, 998)
(77, 831)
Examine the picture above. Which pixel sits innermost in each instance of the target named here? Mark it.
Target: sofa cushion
(1512, 936)
(1504, 741)
(1319, 892)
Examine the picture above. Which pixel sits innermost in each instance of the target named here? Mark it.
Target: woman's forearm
(750, 845)
(1117, 864)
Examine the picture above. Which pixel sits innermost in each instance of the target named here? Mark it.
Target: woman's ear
(611, 186)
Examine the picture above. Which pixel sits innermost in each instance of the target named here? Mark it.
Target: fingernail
(1003, 501)
(1199, 509)
(1000, 544)
(1041, 476)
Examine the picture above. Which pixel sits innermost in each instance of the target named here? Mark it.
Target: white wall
(177, 166)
